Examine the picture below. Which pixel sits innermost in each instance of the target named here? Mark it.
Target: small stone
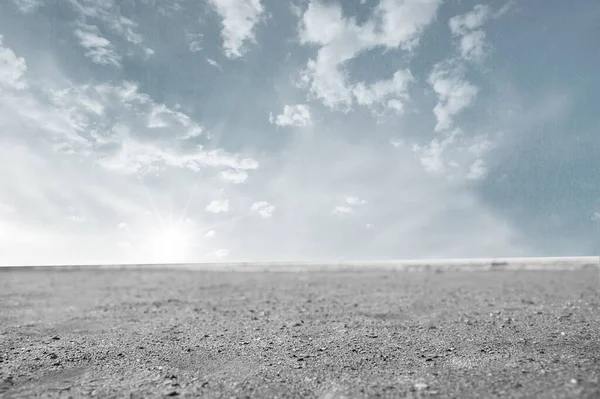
(562, 333)
(56, 338)
(573, 381)
(173, 393)
(419, 386)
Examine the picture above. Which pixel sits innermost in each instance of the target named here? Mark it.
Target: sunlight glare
(168, 244)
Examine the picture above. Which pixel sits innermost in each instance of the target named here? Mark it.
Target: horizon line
(496, 263)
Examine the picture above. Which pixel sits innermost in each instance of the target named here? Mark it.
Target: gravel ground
(338, 334)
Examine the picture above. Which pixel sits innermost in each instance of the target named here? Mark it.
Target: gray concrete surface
(159, 333)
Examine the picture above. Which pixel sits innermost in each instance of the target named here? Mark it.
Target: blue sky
(180, 130)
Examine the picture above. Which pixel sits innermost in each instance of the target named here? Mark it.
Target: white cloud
(214, 64)
(239, 18)
(387, 93)
(108, 13)
(119, 127)
(456, 156)
(123, 226)
(477, 170)
(235, 176)
(210, 234)
(430, 155)
(395, 24)
(163, 116)
(454, 153)
(341, 210)
(219, 254)
(354, 201)
(462, 24)
(454, 93)
(27, 6)
(263, 208)
(136, 157)
(99, 49)
(12, 68)
(596, 216)
(122, 144)
(167, 8)
(218, 206)
(193, 132)
(194, 41)
(473, 46)
(293, 115)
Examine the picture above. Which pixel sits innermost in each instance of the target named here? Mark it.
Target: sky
(139, 131)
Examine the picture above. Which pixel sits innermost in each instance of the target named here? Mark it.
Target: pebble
(573, 381)
(419, 386)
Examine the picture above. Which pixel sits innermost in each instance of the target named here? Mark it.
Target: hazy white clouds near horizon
(252, 130)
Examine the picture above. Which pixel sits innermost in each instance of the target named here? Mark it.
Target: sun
(168, 244)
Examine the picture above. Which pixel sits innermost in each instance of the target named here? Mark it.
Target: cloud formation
(27, 6)
(99, 49)
(238, 19)
(12, 68)
(263, 208)
(293, 115)
(454, 93)
(218, 206)
(394, 24)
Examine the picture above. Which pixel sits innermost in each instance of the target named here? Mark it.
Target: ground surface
(322, 334)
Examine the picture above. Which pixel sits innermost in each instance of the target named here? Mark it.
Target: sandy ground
(319, 334)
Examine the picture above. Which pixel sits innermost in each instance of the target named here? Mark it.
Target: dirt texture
(366, 334)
